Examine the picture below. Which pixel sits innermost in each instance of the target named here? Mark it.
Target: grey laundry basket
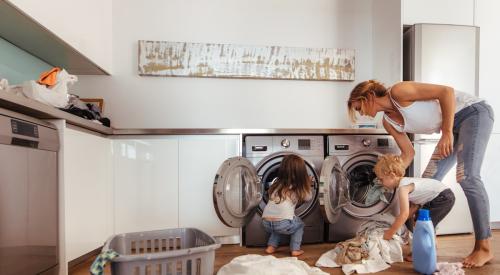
(179, 251)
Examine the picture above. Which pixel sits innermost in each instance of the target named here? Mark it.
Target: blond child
(421, 192)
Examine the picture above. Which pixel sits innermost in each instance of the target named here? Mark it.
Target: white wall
(457, 12)
(153, 102)
(387, 41)
(85, 25)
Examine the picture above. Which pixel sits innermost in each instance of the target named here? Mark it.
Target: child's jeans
(294, 228)
(440, 206)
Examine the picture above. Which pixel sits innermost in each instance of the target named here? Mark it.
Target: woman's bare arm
(403, 141)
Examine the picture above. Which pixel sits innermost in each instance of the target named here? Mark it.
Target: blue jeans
(471, 129)
(294, 228)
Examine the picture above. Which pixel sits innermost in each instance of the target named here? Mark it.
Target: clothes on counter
(268, 265)
(49, 78)
(369, 241)
(85, 110)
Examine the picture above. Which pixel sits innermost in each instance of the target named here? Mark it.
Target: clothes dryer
(241, 185)
(350, 194)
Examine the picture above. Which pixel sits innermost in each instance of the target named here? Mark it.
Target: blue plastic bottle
(424, 247)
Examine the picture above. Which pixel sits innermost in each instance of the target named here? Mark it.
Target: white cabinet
(199, 160)
(456, 12)
(88, 193)
(85, 25)
(145, 183)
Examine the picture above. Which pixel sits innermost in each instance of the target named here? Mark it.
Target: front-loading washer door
(236, 192)
(335, 188)
(366, 196)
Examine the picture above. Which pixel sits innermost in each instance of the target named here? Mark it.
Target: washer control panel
(352, 144)
(264, 145)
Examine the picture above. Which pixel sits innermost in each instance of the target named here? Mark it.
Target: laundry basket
(179, 251)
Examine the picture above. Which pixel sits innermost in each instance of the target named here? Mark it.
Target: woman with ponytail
(465, 123)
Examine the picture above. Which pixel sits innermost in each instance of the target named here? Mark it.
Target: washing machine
(348, 180)
(241, 185)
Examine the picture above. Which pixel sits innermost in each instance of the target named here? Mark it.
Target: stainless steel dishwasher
(28, 195)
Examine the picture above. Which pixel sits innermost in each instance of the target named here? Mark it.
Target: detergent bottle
(424, 244)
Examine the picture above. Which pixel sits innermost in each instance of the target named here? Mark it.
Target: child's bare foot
(270, 249)
(296, 253)
(408, 258)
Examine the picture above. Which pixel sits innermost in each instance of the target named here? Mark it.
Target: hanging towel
(97, 267)
(49, 78)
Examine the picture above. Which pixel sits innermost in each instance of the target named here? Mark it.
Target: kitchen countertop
(39, 110)
(230, 131)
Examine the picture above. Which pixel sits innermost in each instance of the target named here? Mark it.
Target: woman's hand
(445, 144)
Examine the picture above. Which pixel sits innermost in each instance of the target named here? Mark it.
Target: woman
(465, 123)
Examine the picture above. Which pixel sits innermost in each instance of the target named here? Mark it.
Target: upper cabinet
(75, 35)
(456, 12)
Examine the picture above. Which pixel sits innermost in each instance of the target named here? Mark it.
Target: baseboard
(495, 225)
(72, 264)
(235, 239)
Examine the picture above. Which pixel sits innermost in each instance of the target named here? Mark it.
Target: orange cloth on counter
(49, 78)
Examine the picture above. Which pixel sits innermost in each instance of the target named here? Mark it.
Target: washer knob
(285, 143)
(366, 142)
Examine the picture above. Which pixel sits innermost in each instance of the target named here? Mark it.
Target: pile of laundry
(52, 89)
(85, 110)
(368, 252)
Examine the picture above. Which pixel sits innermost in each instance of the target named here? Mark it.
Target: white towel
(268, 265)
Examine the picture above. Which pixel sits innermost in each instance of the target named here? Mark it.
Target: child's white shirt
(424, 190)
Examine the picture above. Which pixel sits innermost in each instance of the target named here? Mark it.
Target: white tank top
(424, 116)
(425, 189)
(284, 210)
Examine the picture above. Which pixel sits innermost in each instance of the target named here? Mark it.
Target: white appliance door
(236, 191)
(459, 219)
(334, 187)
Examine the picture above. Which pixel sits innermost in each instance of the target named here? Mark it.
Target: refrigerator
(447, 55)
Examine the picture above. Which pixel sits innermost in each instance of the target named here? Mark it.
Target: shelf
(21, 30)
(39, 110)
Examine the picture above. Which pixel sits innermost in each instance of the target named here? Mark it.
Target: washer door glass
(335, 188)
(236, 191)
(267, 171)
(367, 196)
